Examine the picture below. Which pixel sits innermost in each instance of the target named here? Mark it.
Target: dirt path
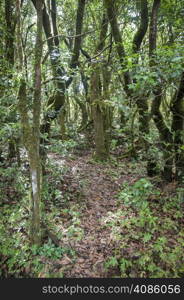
(100, 184)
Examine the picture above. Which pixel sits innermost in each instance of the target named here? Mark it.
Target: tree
(97, 106)
(57, 100)
(31, 132)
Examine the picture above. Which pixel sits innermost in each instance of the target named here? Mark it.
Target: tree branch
(140, 34)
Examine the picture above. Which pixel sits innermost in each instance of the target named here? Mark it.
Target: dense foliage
(91, 138)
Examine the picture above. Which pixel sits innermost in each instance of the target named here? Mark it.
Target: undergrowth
(17, 257)
(147, 232)
(146, 227)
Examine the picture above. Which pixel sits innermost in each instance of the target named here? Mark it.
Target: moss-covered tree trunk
(96, 98)
(81, 101)
(61, 120)
(164, 133)
(31, 132)
(141, 100)
(84, 114)
(98, 114)
(108, 114)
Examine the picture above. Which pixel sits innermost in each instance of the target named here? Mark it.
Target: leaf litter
(101, 183)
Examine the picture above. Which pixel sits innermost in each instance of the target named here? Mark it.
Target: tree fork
(110, 7)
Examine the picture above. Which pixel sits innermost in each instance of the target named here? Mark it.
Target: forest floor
(98, 185)
(102, 220)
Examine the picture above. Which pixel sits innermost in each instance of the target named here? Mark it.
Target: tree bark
(164, 132)
(141, 32)
(141, 101)
(78, 30)
(108, 110)
(31, 132)
(10, 31)
(178, 129)
(10, 27)
(57, 100)
(153, 30)
(111, 12)
(97, 106)
(84, 112)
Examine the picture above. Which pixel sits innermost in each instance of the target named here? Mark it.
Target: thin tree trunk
(57, 100)
(108, 110)
(10, 22)
(96, 99)
(141, 101)
(178, 129)
(10, 32)
(84, 113)
(164, 132)
(61, 120)
(111, 12)
(31, 133)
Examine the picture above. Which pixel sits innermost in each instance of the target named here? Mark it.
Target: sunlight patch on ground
(57, 160)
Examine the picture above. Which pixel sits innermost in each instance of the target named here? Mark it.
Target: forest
(91, 138)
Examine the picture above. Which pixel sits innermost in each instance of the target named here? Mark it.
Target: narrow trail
(100, 185)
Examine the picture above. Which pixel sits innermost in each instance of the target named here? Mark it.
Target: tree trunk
(96, 99)
(164, 132)
(84, 112)
(142, 101)
(31, 133)
(10, 22)
(10, 32)
(100, 143)
(111, 13)
(61, 119)
(108, 110)
(178, 129)
(57, 100)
